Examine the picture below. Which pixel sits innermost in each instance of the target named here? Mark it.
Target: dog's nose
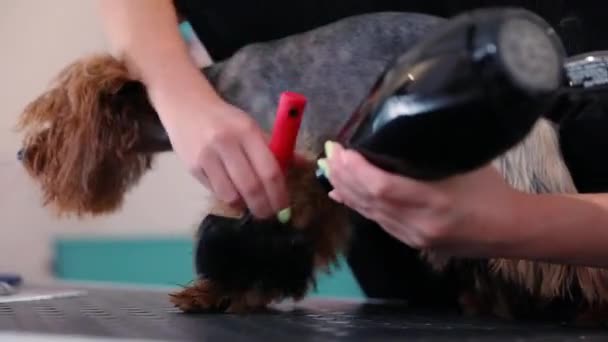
(20, 154)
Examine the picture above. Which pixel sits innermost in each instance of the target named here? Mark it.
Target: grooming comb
(284, 132)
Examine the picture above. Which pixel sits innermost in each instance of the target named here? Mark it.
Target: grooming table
(94, 313)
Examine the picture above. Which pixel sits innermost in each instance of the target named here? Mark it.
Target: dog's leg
(235, 261)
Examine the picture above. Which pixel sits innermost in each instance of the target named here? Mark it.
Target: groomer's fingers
(374, 183)
(236, 203)
(246, 180)
(216, 176)
(399, 231)
(202, 177)
(350, 193)
(335, 195)
(268, 170)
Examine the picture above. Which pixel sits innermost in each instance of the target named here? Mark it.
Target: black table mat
(147, 314)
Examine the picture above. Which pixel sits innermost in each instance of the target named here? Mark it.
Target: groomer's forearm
(146, 35)
(560, 228)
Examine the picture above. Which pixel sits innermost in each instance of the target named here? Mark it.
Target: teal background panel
(159, 261)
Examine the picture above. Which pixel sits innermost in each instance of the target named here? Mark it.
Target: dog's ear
(132, 101)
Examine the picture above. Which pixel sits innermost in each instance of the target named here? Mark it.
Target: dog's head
(90, 136)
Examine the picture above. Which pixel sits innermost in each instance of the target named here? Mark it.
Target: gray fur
(334, 66)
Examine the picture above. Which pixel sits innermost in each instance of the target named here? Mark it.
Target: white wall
(37, 38)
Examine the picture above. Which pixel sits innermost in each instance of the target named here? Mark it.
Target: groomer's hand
(224, 148)
(221, 146)
(453, 215)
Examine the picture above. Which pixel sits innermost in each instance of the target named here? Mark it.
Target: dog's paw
(206, 296)
(202, 296)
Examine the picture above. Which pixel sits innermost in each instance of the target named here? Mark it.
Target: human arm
(475, 214)
(560, 228)
(221, 145)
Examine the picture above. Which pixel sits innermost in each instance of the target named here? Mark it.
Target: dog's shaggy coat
(93, 135)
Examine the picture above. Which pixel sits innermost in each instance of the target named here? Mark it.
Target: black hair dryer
(465, 94)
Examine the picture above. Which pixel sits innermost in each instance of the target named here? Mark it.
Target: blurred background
(149, 241)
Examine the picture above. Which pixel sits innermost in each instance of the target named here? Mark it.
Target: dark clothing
(224, 26)
(383, 266)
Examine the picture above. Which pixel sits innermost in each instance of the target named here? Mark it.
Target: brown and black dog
(91, 136)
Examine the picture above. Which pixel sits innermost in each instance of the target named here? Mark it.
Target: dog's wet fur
(93, 135)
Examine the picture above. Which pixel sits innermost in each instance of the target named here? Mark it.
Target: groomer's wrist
(180, 78)
(493, 226)
(181, 91)
(515, 227)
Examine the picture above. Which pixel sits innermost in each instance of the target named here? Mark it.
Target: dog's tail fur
(90, 137)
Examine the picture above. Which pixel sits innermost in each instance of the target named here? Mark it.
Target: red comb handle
(286, 127)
